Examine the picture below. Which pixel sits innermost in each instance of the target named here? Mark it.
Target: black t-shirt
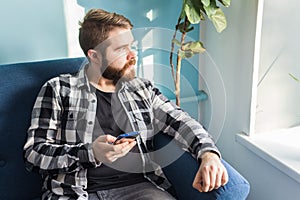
(112, 119)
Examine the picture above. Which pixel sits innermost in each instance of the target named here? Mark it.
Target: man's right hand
(106, 152)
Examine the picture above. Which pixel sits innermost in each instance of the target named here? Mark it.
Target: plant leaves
(219, 20)
(205, 2)
(192, 11)
(217, 17)
(182, 13)
(175, 41)
(195, 47)
(185, 54)
(210, 10)
(225, 3)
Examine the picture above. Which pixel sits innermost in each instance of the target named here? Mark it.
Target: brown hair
(96, 26)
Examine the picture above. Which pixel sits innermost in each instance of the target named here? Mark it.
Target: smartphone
(130, 135)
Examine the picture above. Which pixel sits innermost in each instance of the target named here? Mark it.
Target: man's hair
(96, 26)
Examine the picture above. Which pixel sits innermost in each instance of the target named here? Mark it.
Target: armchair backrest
(19, 86)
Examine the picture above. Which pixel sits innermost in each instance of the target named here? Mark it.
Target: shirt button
(93, 101)
(90, 122)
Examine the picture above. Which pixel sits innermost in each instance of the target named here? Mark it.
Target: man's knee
(237, 187)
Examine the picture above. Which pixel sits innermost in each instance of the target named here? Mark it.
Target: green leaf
(296, 79)
(195, 47)
(202, 17)
(190, 29)
(219, 20)
(225, 3)
(217, 17)
(192, 11)
(176, 42)
(210, 10)
(181, 53)
(182, 13)
(185, 54)
(205, 2)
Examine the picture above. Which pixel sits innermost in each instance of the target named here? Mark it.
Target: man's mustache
(131, 62)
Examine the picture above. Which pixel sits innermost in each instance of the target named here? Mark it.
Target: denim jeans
(142, 191)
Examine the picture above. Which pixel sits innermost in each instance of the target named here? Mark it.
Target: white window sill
(280, 148)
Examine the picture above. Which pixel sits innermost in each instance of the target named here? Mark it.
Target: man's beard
(116, 75)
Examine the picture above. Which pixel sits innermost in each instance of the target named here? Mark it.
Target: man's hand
(106, 152)
(211, 174)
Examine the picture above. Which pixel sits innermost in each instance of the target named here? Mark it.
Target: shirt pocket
(142, 119)
(73, 124)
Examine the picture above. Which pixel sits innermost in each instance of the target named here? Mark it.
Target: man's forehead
(120, 33)
(119, 38)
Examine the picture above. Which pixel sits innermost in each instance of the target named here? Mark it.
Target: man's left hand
(211, 174)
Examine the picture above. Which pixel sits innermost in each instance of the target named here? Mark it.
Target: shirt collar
(82, 77)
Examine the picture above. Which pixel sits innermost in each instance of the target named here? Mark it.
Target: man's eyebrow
(127, 44)
(121, 46)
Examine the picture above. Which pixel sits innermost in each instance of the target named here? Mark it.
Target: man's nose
(131, 54)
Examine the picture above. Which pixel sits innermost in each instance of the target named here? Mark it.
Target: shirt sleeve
(189, 133)
(42, 150)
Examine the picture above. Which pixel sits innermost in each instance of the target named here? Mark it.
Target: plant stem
(178, 68)
(177, 83)
(172, 51)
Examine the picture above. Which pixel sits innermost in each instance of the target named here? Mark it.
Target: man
(76, 119)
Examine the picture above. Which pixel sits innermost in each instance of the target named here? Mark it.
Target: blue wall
(32, 30)
(36, 30)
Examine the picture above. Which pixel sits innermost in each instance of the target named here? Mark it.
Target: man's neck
(99, 81)
(106, 85)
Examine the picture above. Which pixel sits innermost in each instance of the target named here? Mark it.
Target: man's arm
(42, 151)
(171, 119)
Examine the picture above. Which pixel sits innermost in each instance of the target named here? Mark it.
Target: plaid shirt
(59, 143)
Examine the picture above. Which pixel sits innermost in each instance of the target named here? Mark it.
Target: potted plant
(192, 12)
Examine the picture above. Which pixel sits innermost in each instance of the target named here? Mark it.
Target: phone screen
(130, 135)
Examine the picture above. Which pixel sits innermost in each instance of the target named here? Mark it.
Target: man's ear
(94, 56)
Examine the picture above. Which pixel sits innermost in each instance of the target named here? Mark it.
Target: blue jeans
(142, 191)
(181, 174)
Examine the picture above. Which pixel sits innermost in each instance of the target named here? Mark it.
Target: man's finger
(213, 177)
(123, 148)
(106, 138)
(218, 181)
(197, 183)
(224, 177)
(206, 179)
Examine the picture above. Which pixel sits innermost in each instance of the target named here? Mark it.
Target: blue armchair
(19, 85)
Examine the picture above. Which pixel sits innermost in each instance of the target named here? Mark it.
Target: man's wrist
(209, 154)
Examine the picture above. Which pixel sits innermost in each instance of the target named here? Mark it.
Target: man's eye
(122, 49)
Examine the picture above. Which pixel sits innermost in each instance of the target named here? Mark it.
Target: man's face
(119, 58)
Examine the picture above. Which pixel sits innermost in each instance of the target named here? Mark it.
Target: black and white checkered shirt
(59, 143)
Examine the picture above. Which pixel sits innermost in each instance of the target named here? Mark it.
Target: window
(278, 95)
(275, 109)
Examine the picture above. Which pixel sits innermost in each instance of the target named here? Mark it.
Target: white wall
(233, 53)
